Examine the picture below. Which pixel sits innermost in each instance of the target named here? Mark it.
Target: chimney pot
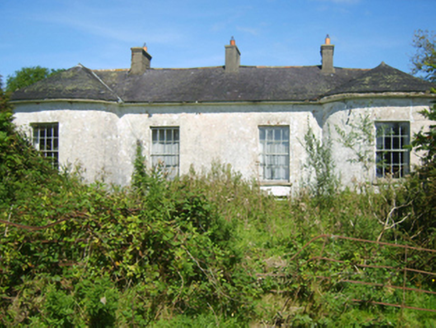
(232, 41)
(327, 39)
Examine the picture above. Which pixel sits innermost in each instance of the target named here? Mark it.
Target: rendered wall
(350, 112)
(102, 137)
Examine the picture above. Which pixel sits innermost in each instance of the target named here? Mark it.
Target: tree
(419, 197)
(424, 61)
(27, 76)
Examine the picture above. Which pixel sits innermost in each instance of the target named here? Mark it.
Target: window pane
(262, 134)
(169, 136)
(277, 134)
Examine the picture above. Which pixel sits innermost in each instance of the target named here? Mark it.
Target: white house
(253, 117)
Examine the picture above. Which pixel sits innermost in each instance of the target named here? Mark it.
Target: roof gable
(77, 82)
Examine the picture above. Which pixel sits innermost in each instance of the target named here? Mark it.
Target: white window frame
(391, 158)
(274, 153)
(45, 139)
(165, 149)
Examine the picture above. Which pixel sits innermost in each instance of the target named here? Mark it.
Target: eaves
(349, 96)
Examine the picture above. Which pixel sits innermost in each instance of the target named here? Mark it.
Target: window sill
(385, 180)
(275, 183)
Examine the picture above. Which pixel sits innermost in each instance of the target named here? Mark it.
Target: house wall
(102, 137)
(88, 135)
(345, 114)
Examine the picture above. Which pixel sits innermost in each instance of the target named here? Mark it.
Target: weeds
(320, 164)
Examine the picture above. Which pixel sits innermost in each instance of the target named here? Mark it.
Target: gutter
(348, 96)
(323, 100)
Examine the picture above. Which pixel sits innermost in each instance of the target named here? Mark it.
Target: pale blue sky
(192, 33)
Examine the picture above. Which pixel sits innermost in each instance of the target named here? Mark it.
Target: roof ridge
(111, 70)
(102, 82)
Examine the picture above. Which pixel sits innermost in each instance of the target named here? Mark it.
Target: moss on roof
(78, 82)
(383, 78)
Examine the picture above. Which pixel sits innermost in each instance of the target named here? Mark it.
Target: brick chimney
(327, 50)
(233, 57)
(140, 60)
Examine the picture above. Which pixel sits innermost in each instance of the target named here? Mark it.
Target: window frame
(48, 141)
(174, 170)
(393, 148)
(271, 177)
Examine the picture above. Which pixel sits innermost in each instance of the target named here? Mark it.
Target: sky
(192, 33)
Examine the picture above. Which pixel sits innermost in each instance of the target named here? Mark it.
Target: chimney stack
(327, 50)
(140, 60)
(233, 57)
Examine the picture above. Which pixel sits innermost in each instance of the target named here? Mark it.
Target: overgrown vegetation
(424, 60)
(207, 249)
(321, 179)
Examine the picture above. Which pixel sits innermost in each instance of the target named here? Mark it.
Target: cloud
(107, 30)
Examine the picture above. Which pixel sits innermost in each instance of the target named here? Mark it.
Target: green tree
(425, 64)
(420, 193)
(27, 76)
(424, 60)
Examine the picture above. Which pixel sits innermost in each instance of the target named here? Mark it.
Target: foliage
(425, 141)
(320, 162)
(27, 76)
(419, 197)
(21, 167)
(139, 176)
(424, 61)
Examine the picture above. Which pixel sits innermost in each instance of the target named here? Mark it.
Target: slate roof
(213, 84)
(78, 82)
(383, 78)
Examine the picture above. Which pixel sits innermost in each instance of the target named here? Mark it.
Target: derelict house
(252, 117)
